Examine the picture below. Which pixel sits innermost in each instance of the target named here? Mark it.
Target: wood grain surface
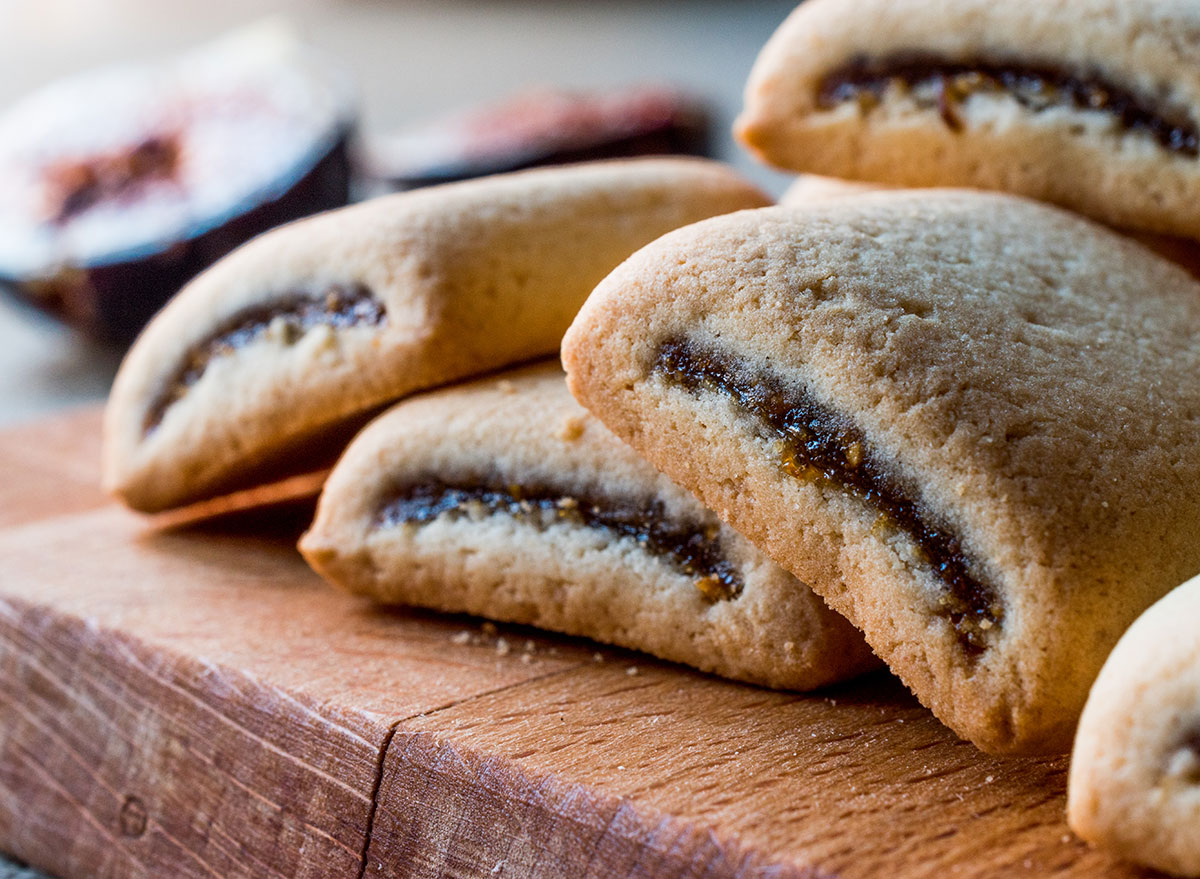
(189, 700)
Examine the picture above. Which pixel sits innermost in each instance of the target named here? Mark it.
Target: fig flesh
(117, 186)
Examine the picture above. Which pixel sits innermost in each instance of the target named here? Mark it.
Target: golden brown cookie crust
(1025, 377)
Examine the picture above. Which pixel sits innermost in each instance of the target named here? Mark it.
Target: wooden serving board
(193, 702)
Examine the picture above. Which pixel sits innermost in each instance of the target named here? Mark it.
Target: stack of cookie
(503, 498)
(968, 422)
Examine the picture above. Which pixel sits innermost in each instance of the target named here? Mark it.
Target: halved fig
(541, 127)
(117, 186)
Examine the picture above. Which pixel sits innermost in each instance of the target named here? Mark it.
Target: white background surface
(411, 58)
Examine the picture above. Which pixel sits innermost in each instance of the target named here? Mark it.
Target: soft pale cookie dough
(1135, 772)
(506, 499)
(1090, 104)
(811, 188)
(264, 359)
(969, 421)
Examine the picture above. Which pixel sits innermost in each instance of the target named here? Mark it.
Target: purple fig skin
(111, 301)
(678, 140)
(541, 128)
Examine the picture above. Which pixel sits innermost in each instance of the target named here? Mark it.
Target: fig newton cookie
(1090, 104)
(969, 421)
(504, 498)
(1135, 771)
(809, 188)
(271, 352)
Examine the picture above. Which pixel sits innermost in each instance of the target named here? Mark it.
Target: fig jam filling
(946, 84)
(74, 186)
(689, 547)
(820, 446)
(287, 319)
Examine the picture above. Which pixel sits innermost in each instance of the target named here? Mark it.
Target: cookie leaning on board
(1091, 104)
(1135, 772)
(969, 421)
(504, 498)
(264, 360)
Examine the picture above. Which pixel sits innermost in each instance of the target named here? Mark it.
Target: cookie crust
(1022, 377)
(1134, 785)
(810, 188)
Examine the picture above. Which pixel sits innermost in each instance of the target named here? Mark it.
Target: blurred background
(411, 61)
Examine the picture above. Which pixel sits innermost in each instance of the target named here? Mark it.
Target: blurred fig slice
(539, 127)
(117, 186)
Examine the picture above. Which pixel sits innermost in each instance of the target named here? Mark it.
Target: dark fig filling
(819, 445)
(291, 316)
(690, 547)
(1035, 86)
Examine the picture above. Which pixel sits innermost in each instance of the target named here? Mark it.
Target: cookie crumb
(463, 637)
(632, 670)
(571, 428)
(597, 657)
(526, 659)
(506, 387)
(990, 779)
(502, 647)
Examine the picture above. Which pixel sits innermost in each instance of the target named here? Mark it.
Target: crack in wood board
(446, 810)
(387, 741)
